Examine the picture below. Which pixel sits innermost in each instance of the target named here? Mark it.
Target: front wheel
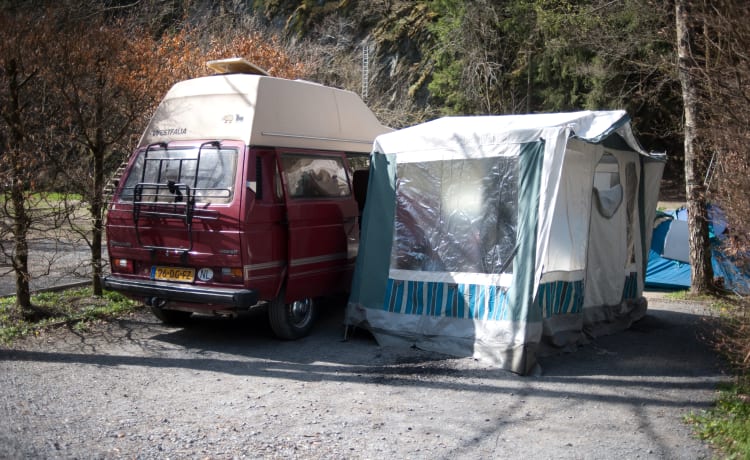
(293, 320)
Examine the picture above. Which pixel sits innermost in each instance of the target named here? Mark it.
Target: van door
(322, 223)
(263, 225)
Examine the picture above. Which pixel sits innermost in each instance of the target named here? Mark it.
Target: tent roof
(463, 133)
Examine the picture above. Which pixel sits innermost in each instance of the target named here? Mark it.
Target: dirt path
(226, 389)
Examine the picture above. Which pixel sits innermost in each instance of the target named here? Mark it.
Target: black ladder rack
(146, 195)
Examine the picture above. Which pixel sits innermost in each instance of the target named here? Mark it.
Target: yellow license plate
(182, 275)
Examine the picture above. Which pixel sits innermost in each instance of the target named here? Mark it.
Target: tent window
(608, 191)
(456, 216)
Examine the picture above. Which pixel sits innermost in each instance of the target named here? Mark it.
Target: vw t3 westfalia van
(239, 196)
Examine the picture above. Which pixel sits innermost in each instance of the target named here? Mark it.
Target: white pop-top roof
(264, 111)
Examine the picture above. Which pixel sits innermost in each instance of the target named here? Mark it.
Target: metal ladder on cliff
(365, 69)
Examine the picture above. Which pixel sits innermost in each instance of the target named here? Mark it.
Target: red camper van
(240, 196)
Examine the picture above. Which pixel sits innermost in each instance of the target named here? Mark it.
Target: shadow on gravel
(664, 343)
(662, 350)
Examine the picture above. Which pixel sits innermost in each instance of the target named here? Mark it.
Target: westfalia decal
(169, 132)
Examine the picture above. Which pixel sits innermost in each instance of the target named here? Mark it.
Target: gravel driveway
(227, 389)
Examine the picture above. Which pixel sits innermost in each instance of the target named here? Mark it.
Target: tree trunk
(701, 280)
(98, 225)
(97, 201)
(20, 240)
(21, 219)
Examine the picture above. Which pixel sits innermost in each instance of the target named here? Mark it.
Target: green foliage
(74, 307)
(481, 57)
(539, 56)
(727, 425)
(490, 57)
(448, 63)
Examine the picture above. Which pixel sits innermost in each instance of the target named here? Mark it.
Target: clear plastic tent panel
(456, 215)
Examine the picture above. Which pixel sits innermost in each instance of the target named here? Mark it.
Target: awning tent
(488, 236)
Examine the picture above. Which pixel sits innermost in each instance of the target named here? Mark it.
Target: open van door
(322, 236)
(322, 222)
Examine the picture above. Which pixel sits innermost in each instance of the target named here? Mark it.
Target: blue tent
(668, 261)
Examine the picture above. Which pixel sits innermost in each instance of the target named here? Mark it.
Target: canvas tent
(492, 236)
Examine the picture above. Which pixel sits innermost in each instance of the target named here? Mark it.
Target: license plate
(182, 275)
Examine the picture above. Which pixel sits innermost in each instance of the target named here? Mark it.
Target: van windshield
(167, 175)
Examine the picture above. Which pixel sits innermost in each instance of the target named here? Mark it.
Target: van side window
(278, 187)
(308, 176)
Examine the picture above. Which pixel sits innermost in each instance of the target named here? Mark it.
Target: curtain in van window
(308, 176)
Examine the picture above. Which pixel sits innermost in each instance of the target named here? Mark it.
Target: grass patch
(724, 306)
(686, 296)
(46, 197)
(727, 425)
(76, 307)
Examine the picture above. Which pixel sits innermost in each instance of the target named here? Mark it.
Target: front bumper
(241, 299)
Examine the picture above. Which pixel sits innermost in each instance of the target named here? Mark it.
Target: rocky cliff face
(337, 38)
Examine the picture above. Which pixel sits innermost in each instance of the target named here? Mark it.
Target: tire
(171, 317)
(290, 321)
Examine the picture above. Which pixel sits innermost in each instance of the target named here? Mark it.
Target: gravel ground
(221, 388)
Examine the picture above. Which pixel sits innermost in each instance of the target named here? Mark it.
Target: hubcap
(300, 312)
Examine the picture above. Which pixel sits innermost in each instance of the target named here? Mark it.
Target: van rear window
(308, 176)
(167, 175)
